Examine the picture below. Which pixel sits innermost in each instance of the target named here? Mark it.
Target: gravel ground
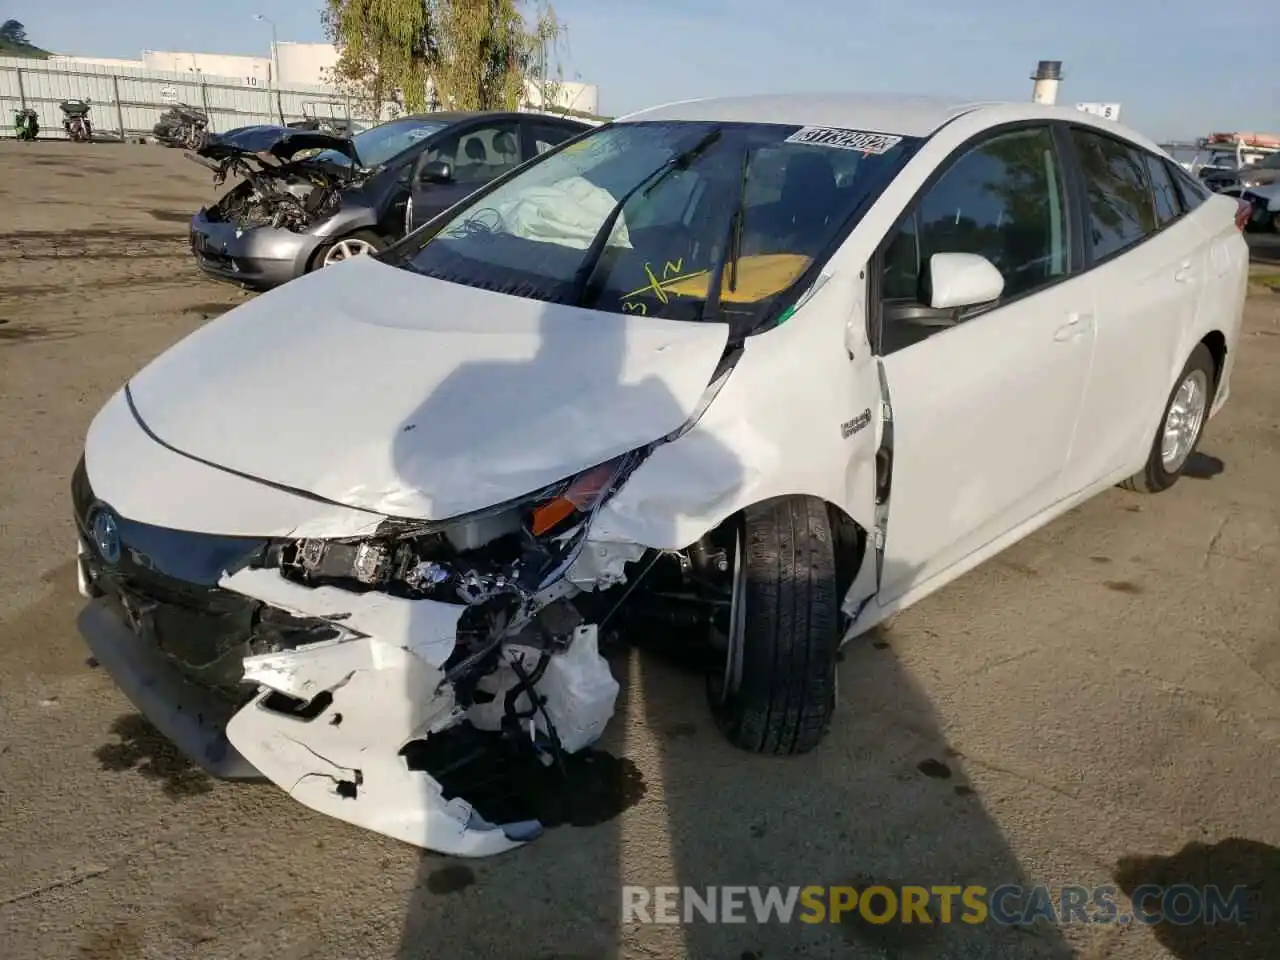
(1099, 704)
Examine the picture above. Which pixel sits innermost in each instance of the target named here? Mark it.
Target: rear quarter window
(1190, 189)
(1118, 192)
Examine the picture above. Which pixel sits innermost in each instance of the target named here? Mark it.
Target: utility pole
(275, 65)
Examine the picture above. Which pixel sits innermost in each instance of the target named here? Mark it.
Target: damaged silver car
(309, 198)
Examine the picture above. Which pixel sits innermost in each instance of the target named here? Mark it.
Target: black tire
(1153, 477)
(791, 605)
(368, 236)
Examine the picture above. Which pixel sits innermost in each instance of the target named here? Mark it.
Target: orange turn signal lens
(546, 516)
(585, 489)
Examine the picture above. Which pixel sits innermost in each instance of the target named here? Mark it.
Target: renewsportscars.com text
(1009, 904)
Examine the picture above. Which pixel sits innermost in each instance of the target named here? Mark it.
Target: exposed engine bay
(442, 683)
(291, 182)
(501, 617)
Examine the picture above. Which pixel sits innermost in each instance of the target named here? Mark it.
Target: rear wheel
(358, 244)
(1180, 427)
(775, 692)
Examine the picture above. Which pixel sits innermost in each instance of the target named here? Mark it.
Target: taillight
(1244, 210)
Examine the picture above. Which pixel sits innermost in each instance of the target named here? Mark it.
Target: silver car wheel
(1183, 422)
(345, 250)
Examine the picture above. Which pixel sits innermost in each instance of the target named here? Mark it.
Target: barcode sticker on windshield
(859, 140)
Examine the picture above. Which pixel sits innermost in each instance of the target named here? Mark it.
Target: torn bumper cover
(387, 681)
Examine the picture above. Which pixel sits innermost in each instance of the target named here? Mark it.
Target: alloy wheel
(345, 250)
(1182, 423)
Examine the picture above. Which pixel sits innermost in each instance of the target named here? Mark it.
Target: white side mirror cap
(963, 280)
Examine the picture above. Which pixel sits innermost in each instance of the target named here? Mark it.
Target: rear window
(758, 203)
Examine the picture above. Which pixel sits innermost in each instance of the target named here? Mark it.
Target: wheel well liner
(1216, 343)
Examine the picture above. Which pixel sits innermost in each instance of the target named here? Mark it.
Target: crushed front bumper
(194, 718)
(340, 699)
(259, 257)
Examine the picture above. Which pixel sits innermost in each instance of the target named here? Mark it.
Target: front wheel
(1185, 414)
(358, 244)
(776, 690)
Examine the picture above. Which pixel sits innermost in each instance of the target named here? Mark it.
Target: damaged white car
(750, 373)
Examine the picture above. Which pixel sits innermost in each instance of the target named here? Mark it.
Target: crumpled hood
(381, 389)
(282, 143)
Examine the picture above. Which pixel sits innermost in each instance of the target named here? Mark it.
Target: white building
(251, 71)
(309, 65)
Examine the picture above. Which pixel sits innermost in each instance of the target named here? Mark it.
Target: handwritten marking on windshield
(637, 307)
(670, 275)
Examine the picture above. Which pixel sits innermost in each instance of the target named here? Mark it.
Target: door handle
(1077, 324)
(1183, 273)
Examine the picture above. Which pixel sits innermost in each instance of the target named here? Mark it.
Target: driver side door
(983, 402)
(474, 153)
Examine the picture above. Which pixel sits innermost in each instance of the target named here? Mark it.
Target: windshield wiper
(595, 250)
(732, 250)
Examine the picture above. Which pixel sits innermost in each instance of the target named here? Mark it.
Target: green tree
(462, 54)
(14, 32)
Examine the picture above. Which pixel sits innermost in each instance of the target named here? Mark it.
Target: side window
(1002, 199)
(548, 135)
(1121, 212)
(1192, 191)
(1163, 192)
(480, 153)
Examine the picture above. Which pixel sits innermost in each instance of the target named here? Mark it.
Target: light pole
(275, 64)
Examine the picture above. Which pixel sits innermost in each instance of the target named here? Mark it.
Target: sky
(1180, 68)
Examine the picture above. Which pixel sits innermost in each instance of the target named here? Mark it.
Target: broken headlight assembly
(514, 549)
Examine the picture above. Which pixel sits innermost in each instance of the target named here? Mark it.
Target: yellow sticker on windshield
(759, 277)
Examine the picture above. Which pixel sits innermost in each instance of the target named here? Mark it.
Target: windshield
(754, 204)
(379, 144)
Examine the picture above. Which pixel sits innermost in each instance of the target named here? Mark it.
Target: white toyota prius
(744, 375)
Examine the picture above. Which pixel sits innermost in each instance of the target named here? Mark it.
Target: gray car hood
(378, 388)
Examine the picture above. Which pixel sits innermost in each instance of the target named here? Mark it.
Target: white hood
(385, 390)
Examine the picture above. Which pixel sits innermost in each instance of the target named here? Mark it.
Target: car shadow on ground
(1230, 865)
(883, 800)
(1203, 466)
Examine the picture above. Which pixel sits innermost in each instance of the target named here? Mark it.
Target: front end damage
(408, 681)
(433, 680)
(289, 179)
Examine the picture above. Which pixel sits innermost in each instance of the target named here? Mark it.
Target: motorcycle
(181, 126)
(75, 120)
(26, 123)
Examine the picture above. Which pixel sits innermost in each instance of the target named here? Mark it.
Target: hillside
(10, 49)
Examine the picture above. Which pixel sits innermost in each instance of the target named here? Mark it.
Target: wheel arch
(1215, 341)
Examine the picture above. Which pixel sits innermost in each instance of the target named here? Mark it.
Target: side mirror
(962, 280)
(437, 171)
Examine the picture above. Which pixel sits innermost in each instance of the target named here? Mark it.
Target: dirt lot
(1101, 704)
